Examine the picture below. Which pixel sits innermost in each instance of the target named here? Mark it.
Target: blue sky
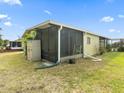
(104, 17)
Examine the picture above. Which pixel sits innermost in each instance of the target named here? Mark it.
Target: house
(58, 42)
(15, 45)
(117, 44)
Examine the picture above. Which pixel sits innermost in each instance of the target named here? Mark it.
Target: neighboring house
(15, 45)
(60, 42)
(116, 44)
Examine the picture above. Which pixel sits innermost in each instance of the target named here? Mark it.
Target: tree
(28, 36)
(0, 34)
(5, 43)
(1, 42)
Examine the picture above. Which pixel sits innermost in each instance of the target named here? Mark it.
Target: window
(19, 44)
(88, 40)
(13, 44)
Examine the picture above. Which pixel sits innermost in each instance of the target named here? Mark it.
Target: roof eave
(59, 24)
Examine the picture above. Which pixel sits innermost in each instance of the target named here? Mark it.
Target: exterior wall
(16, 48)
(93, 47)
(71, 57)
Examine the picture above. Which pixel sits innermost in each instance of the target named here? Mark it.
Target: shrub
(102, 51)
(108, 48)
(121, 49)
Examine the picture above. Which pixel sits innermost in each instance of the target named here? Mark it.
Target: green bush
(121, 49)
(108, 48)
(102, 51)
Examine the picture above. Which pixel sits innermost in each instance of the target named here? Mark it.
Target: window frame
(88, 40)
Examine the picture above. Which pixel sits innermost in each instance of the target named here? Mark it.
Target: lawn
(19, 76)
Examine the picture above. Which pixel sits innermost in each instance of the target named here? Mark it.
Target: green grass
(19, 76)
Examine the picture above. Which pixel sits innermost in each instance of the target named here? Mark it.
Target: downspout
(59, 41)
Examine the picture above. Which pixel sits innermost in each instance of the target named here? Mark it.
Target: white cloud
(7, 23)
(3, 16)
(47, 12)
(107, 19)
(5, 19)
(114, 30)
(8, 18)
(11, 2)
(121, 16)
(111, 30)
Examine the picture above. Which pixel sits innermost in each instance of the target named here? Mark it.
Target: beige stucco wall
(93, 47)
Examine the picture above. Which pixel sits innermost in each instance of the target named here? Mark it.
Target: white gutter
(59, 36)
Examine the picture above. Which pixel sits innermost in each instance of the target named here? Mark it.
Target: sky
(104, 17)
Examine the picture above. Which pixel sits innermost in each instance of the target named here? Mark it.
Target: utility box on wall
(34, 50)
